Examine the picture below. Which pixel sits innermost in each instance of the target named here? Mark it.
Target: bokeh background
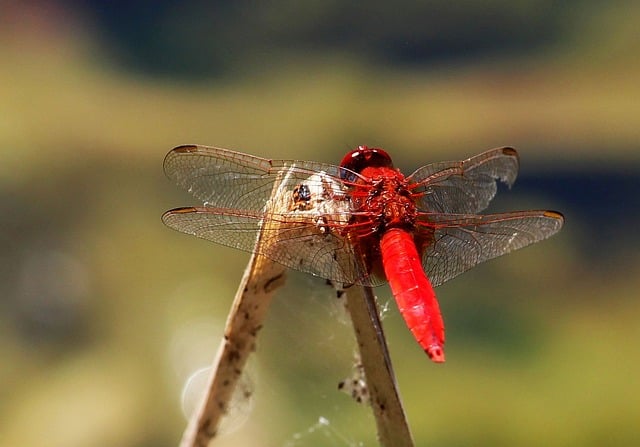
(104, 312)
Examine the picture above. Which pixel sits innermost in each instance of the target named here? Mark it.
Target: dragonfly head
(364, 157)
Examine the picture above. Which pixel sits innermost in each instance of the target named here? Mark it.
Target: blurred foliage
(105, 313)
(200, 39)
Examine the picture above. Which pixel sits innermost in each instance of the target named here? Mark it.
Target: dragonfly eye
(364, 157)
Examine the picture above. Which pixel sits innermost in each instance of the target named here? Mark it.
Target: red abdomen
(413, 291)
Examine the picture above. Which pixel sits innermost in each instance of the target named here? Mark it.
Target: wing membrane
(223, 178)
(462, 187)
(295, 241)
(461, 242)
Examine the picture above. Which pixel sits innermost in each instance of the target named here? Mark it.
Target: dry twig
(393, 428)
(261, 279)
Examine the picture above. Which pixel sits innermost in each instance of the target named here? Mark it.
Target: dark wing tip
(182, 149)
(555, 215)
(510, 152)
(185, 148)
(183, 210)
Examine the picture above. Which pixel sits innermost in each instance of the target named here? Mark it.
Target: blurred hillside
(105, 313)
(198, 40)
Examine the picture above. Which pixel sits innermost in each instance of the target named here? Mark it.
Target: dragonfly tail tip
(436, 354)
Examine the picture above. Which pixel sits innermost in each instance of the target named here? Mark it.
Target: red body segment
(413, 292)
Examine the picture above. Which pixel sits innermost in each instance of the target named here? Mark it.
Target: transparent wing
(293, 239)
(227, 179)
(455, 243)
(463, 187)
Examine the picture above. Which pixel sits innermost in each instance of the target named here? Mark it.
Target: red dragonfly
(362, 222)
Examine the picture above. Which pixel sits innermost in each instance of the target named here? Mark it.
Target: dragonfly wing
(292, 240)
(460, 242)
(224, 227)
(223, 178)
(464, 187)
(322, 253)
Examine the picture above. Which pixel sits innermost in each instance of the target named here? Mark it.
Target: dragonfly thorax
(383, 193)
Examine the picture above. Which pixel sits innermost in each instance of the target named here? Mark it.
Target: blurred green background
(105, 312)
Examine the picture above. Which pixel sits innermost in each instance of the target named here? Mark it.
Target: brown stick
(249, 309)
(393, 428)
(261, 279)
